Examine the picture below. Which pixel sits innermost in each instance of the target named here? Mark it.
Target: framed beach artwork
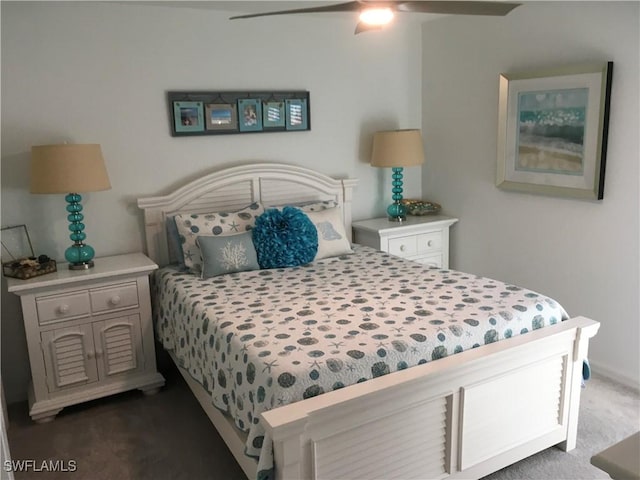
(297, 114)
(273, 114)
(188, 117)
(221, 116)
(250, 113)
(552, 131)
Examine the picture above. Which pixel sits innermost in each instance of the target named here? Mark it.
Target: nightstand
(89, 333)
(424, 239)
(620, 461)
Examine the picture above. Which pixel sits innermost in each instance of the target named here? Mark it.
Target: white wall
(583, 253)
(97, 73)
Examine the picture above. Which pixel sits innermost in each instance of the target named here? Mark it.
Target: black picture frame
(195, 113)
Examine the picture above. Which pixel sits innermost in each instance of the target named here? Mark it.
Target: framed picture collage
(215, 113)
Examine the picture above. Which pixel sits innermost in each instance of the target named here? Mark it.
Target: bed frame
(463, 416)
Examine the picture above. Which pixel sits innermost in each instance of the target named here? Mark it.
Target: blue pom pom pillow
(192, 225)
(284, 238)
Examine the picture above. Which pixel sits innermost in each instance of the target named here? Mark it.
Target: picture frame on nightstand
(18, 258)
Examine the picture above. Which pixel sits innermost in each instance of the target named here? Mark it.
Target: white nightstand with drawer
(424, 239)
(89, 333)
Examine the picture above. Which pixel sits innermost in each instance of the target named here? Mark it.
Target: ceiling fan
(376, 14)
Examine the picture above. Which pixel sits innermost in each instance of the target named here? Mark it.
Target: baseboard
(602, 370)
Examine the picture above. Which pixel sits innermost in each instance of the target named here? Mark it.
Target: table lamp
(70, 169)
(397, 149)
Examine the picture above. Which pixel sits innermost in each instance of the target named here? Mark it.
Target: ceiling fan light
(376, 16)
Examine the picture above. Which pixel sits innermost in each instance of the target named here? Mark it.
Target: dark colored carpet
(127, 436)
(168, 436)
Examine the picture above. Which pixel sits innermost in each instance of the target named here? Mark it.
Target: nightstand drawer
(430, 242)
(55, 308)
(403, 246)
(114, 297)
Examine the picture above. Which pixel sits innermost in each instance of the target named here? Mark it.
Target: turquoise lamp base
(397, 211)
(79, 255)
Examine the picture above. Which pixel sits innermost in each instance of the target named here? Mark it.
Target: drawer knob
(63, 309)
(430, 243)
(403, 248)
(115, 300)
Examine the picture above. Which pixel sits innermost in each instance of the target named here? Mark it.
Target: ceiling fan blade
(340, 7)
(457, 8)
(365, 27)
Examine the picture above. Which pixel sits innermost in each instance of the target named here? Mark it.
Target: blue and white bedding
(261, 339)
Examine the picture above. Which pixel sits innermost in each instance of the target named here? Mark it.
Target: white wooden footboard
(464, 416)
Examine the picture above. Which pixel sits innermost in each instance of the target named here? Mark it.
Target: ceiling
(233, 6)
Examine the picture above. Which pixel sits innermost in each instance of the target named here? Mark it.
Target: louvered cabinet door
(118, 346)
(69, 357)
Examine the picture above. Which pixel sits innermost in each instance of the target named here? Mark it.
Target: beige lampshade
(397, 148)
(68, 168)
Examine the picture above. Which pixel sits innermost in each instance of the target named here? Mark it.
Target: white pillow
(309, 206)
(317, 206)
(332, 238)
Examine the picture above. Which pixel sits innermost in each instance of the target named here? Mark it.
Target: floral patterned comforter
(261, 339)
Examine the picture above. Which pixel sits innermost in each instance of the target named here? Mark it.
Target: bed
(411, 406)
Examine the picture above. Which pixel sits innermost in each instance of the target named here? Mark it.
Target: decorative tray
(25, 268)
(18, 259)
(420, 207)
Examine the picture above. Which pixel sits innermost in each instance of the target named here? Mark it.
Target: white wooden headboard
(236, 187)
